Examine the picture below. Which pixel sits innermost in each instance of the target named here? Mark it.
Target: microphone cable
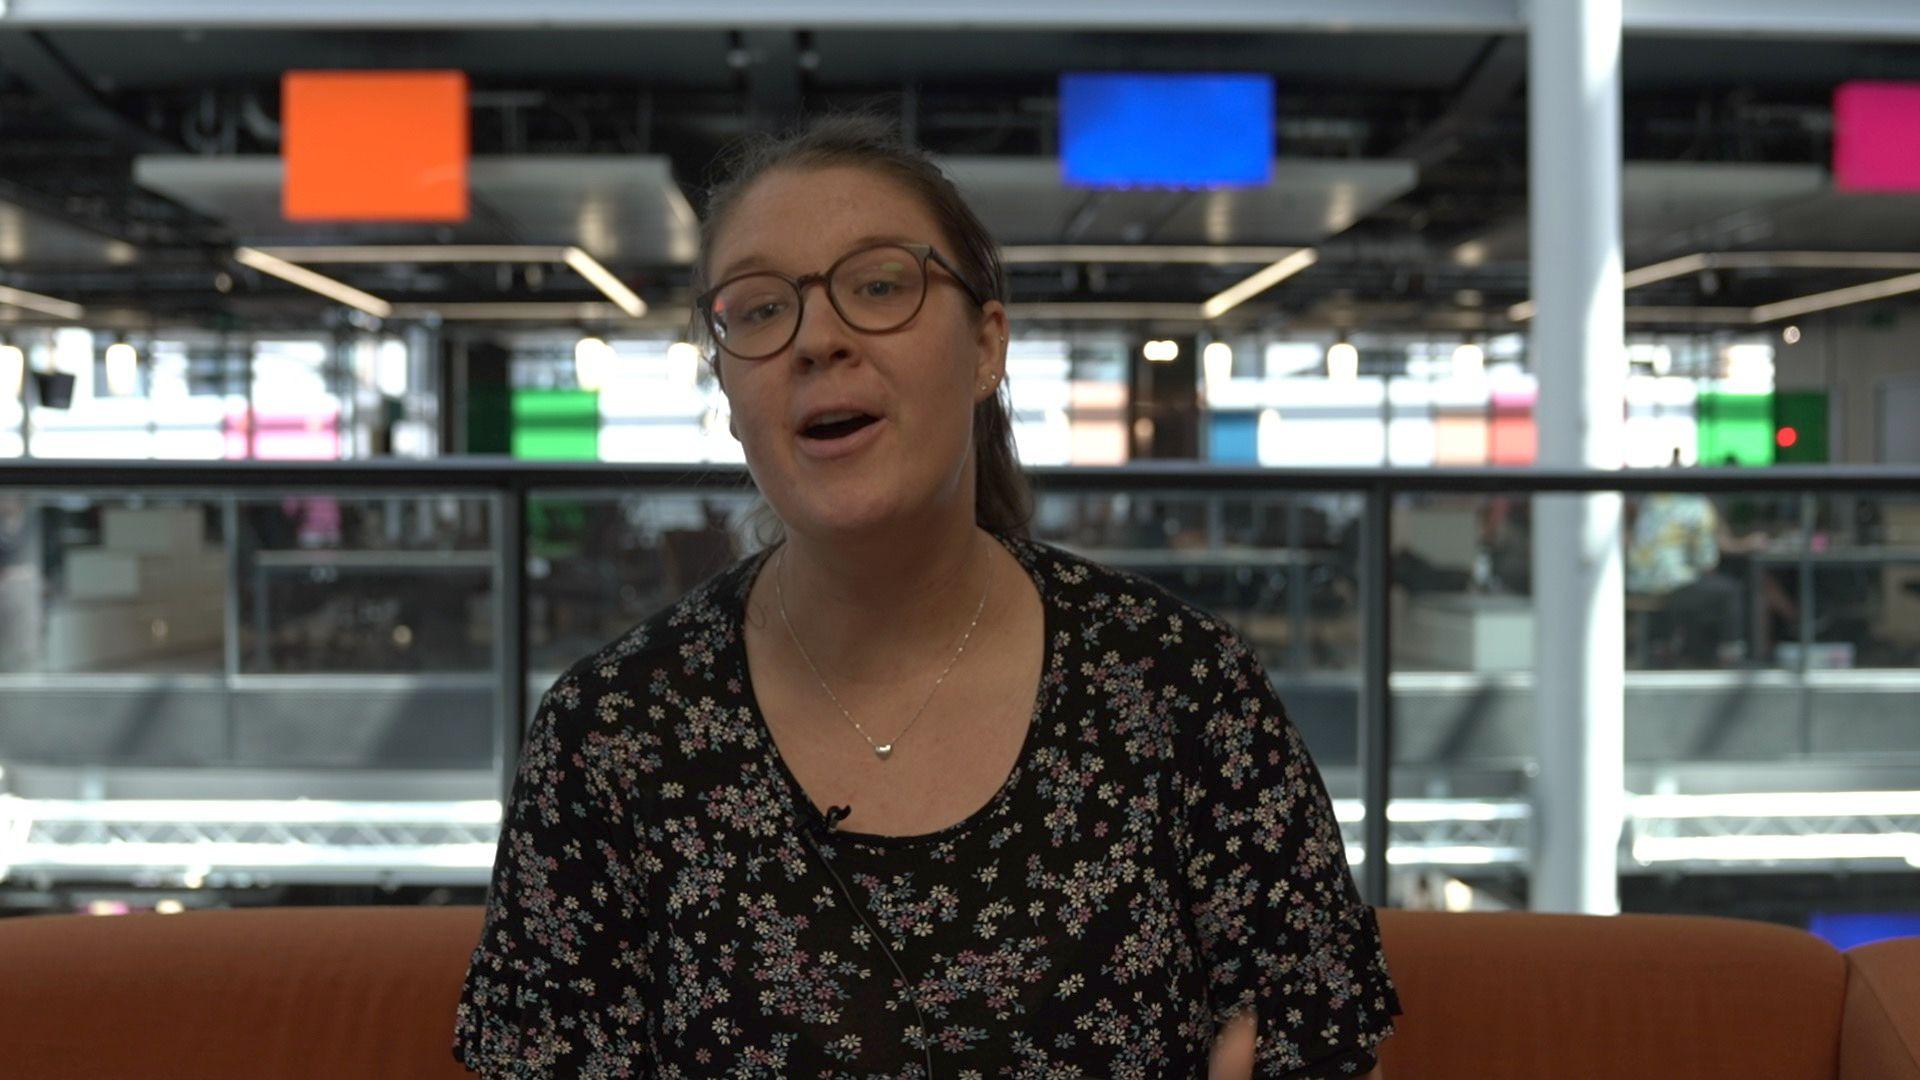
(827, 823)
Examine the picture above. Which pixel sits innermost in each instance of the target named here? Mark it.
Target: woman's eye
(761, 314)
(879, 288)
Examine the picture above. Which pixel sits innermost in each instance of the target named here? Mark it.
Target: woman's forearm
(1232, 1057)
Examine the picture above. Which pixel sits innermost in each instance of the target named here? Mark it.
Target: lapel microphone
(825, 824)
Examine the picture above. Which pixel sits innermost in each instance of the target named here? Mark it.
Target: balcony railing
(227, 673)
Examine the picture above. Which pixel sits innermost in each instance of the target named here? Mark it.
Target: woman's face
(920, 383)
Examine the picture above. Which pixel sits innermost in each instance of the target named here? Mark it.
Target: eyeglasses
(875, 290)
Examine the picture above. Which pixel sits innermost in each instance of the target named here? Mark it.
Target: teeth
(835, 417)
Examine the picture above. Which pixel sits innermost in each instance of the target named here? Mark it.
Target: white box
(1466, 632)
(102, 635)
(106, 574)
(154, 530)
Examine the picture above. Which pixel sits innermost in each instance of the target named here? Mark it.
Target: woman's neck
(875, 609)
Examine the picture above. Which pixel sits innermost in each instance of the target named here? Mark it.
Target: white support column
(1579, 353)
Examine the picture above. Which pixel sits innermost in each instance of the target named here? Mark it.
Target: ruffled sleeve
(1282, 926)
(556, 985)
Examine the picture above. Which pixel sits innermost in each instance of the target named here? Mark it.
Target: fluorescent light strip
(1732, 316)
(1353, 811)
(338, 291)
(281, 263)
(602, 278)
(1764, 313)
(421, 253)
(1798, 804)
(1826, 301)
(1112, 311)
(250, 811)
(1445, 855)
(231, 856)
(1819, 260)
(1663, 271)
(45, 305)
(1213, 254)
(1735, 316)
(1651, 849)
(483, 311)
(1260, 281)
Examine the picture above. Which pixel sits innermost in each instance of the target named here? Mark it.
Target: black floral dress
(667, 902)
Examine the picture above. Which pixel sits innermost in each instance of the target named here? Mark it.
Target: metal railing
(509, 485)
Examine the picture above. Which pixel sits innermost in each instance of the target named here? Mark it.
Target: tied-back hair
(1003, 500)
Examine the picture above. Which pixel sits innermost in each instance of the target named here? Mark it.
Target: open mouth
(837, 427)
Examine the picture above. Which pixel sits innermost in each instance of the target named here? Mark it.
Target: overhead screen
(1876, 136)
(374, 146)
(1131, 130)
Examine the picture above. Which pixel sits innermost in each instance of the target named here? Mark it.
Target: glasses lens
(879, 288)
(753, 316)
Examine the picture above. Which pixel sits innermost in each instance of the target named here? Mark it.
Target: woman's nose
(822, 334)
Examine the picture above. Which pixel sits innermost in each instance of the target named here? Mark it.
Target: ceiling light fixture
(1343, 362)
(592, 357)
(588, 267)
(1212, 254)
(123, 369)
(562, 311)
(1258, 282)
(421, 253)
(338, 291)
(1827, 301)
(1106, 310)
(45, 305)
(1752, 260)
(13, 371)
(578, 259)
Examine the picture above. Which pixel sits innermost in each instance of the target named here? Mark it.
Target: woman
(908, 793)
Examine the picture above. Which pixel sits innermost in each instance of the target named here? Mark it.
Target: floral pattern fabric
(1162, 855)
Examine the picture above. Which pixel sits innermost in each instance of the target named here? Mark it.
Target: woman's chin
(846, 518)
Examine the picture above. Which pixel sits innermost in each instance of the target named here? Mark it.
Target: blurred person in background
(19, 587)
(1674, 552)
(908, 793)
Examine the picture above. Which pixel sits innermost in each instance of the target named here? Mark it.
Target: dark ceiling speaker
(55, 389)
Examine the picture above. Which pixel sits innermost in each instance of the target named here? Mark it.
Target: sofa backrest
(370, 992)
(1524, 995)
(220, 995)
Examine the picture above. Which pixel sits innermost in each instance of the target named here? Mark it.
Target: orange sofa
(370, 992)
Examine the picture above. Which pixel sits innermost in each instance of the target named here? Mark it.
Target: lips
(836, 424)
(825, 434)
(830, 420)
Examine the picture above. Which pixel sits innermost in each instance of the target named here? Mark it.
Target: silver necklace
(881, 750)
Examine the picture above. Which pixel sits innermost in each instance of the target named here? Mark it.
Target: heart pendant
(885, 751)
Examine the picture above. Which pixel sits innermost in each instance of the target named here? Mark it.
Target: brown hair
(1003, 500)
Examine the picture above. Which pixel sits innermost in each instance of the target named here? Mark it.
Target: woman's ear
(713, 365)
(990, 352)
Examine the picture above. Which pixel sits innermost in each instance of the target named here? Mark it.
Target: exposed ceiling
(132, 162)
(625, 208)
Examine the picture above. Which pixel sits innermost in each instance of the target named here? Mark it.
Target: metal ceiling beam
(29, 58)
(1775, 18)
(1497, 77)
(1862, 19)
(1461, 16)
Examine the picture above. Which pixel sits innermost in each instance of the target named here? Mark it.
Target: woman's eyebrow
(748, 262)
(757, 262)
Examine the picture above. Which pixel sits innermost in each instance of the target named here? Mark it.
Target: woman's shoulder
(1107, 601)
(687, 641)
